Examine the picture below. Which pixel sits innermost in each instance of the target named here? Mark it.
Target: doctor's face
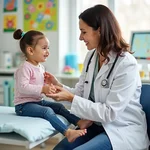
(90, 37)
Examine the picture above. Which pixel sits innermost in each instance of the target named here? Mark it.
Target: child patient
(30, 87)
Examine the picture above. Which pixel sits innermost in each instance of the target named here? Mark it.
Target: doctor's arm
(65, 93)
(122, 90)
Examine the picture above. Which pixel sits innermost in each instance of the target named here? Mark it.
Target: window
(132, 15)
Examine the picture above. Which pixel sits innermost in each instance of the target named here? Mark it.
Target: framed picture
(9, 23)
(10, 5)
(140, 44)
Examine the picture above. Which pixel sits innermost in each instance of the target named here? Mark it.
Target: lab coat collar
(112, 56)
(105, 66)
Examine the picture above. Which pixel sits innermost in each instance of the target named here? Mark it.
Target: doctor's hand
(61, 94)
(50, 79)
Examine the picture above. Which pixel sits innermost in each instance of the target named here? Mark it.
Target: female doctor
(109, 88)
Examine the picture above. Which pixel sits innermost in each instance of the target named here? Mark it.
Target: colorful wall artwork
(40, 15)
(10, 5)
(9, 23)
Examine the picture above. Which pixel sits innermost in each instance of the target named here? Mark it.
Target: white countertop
(145, 80)
(76, 76)
(7, 70)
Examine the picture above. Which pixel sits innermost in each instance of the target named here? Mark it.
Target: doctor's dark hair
(111, 39)
(29, 38)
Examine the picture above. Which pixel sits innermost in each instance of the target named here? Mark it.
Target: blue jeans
(47, 110)
(95, 139)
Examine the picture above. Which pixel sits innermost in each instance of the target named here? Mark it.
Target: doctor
(109, 88)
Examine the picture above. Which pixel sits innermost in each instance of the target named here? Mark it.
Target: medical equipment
(104, 82)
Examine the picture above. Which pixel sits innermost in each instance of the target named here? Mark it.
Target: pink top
(29, 80)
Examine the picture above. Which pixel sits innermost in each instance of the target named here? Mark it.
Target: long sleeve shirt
(29, 80)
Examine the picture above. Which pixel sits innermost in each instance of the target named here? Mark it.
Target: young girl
(30, 86)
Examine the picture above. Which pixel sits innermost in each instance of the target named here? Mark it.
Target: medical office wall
(48, 16)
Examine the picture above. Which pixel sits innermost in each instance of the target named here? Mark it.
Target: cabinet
(6, 86)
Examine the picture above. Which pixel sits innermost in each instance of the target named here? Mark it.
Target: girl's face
(88, 35)
(40, 52)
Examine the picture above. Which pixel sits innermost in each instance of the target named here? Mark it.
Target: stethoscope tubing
(87, 68)
(106, 80)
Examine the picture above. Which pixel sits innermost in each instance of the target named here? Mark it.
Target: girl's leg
(59, 108)
(36, 110)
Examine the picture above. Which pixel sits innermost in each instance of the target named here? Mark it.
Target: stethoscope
(104, 82)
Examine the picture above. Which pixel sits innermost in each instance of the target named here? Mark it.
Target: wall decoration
(9, 23)
(40, 15)
(10, 5)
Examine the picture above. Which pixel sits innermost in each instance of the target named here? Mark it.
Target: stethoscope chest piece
(105, 83)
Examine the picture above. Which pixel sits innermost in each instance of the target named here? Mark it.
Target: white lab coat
(116, 107)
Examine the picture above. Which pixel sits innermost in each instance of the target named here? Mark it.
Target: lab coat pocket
(122, 139)
(134, 137)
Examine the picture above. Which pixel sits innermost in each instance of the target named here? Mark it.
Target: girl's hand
(48, 89)
(50, 79)
(61, 95)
